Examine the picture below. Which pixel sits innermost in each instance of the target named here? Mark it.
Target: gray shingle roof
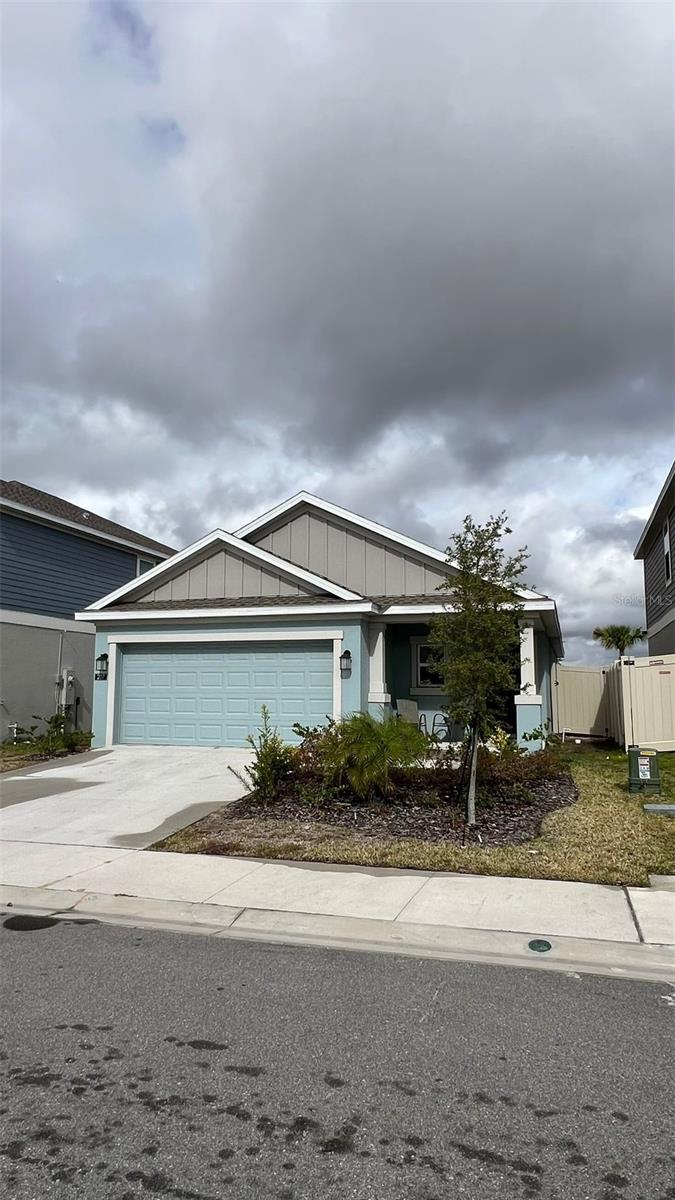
(54, 506)
(381, 602)
(223, 602)
(385, 602)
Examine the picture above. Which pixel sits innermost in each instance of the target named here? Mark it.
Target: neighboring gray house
(656, 549)
(56, 558)
(310, 609)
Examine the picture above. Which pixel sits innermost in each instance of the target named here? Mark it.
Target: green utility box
(643, 770)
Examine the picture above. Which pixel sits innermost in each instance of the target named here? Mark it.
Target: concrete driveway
(127, 797)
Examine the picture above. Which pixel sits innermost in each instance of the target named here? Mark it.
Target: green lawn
(604, 838)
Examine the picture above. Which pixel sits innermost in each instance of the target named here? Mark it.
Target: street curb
(577, 956)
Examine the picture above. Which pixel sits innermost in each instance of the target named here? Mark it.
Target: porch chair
(407, 710)
(440, 725)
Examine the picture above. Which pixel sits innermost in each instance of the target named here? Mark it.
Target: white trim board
(343, 514)
(116, 640)
(230, 635)
(44, 518)
(289, 570)
(192, 614)
(411, 610)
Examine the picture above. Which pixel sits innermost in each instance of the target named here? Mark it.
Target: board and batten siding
(659, 599)
(350, 557)
(56, 573)
(222, 574)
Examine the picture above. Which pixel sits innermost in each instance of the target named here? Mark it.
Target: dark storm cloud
(623, 533)
(422, 247)
(460, 215)
(119, 25)
(418, 258)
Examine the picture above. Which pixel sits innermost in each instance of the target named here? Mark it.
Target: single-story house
(310, 609)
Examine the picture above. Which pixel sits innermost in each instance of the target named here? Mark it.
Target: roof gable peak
(243, 548)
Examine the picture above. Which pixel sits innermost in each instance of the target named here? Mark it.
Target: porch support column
(528, 703)
(377, 687)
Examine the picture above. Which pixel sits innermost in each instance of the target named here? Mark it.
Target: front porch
(399, 669)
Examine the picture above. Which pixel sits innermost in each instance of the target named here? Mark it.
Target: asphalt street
(140, 1064)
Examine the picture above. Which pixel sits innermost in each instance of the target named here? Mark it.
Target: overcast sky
(416, 258)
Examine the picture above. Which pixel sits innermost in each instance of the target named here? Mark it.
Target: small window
(425, 674)
(145, 564)
(666, 551)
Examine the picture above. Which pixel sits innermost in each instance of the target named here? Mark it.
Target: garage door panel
(214, 696)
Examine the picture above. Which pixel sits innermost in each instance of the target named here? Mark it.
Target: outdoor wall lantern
(101, 667)
(346, 662)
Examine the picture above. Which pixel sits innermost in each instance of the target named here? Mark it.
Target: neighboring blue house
(55, 559)
(309, 609)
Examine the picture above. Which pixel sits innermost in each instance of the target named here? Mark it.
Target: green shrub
(362, 752)
(272, 762)
(55, 738)
(512, 776)
(76, 740)
(315, 742)
(504, 745)
(411, 783)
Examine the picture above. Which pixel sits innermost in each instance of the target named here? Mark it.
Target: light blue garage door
(212, 696)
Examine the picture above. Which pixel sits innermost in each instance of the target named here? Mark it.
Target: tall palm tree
(618, 637)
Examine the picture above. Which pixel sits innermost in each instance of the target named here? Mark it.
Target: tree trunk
(471, 794)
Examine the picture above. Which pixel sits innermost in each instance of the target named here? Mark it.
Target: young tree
(477, 639)
(618, 637)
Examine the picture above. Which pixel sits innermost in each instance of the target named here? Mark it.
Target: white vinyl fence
(632, 701)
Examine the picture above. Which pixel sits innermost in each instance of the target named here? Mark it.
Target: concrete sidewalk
(401, 907)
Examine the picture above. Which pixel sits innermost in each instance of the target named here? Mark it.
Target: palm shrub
(362, 752)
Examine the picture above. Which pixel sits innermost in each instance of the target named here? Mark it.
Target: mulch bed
(501, 822)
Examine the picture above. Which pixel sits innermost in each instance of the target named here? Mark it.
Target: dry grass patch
(604, 838)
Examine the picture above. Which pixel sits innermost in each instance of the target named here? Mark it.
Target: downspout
(59, 681)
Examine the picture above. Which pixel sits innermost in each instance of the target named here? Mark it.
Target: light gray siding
(223, 574)
(350, 556)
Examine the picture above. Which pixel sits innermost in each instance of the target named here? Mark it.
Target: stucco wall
(353, 696)
(543, 661)
(33, 652)
(398, 671)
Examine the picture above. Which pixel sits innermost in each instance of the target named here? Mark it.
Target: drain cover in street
(539, 945)
(22, 923)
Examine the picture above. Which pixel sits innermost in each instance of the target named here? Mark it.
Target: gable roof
(307, 499)
(29, 501)
(245, 549)
(658, 510)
